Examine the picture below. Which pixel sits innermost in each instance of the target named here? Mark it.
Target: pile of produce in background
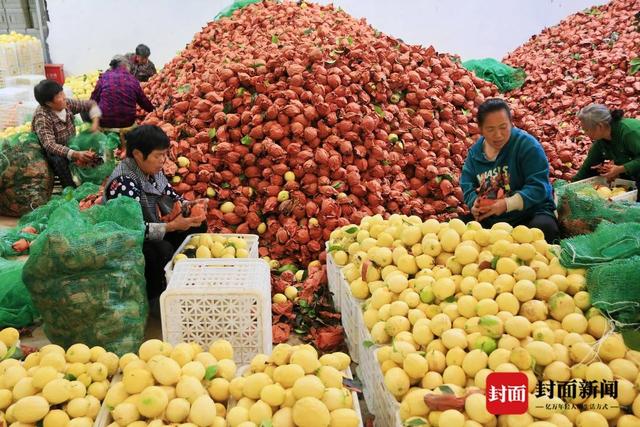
(295, 119)
(592, 56)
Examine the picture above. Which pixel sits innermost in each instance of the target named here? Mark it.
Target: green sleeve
(594, 157)
(631, 142)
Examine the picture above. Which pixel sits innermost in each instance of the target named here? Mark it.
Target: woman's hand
(83, 158)
(475, 209)
(495, 209)
(612, 173)
(180, 223)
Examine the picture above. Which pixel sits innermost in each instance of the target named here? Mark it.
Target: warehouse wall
(85, 34)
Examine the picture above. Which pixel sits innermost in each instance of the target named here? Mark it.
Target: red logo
(507, 393)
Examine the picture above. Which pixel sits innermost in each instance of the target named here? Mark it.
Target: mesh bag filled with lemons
(615, 290)
(86, 275)
(581, 209)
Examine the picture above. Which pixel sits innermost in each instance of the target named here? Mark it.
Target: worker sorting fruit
(140, 176)
(615, 152)
(54, 125)
(505, 177)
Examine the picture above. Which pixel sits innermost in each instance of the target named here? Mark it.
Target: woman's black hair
(46, 90)
(143, 50)
(145, 139)
(492, 105)
(616, 115)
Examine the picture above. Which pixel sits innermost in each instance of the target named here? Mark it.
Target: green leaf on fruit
(12, 350)
(368, 344)
(379, 111)
(494, 262)
(266, 423)
(634, 66)
(210, 372)
(212, 133)
(337, 184)
(446, 389)
(333, 248)
(351, 230)
(70, 377)
(452, 298)
(289, 267)
(308, 31)
(184, 88)
(225, 185)
(246, 140)
(415, 422)
(275, 39)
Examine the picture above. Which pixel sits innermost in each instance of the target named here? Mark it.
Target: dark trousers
(60, 166)
(547, 223)
(157, 253)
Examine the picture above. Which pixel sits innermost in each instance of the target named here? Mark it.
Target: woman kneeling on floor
(140, 176)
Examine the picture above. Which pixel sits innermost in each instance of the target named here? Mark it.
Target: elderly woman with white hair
(615, 151)
(117, 92)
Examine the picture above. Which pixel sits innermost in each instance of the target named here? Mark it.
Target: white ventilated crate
(24, 80)
(333, 277)
(629, 196)
(252, 248)
(347, 374)
(25, 111)
(8, 115)
(380, 402)
(13, 95)
(209, 299)
(352, 318)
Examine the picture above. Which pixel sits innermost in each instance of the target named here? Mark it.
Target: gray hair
(593, 114)
(119, 61)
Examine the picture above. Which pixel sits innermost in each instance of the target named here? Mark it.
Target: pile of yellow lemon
(450, 303)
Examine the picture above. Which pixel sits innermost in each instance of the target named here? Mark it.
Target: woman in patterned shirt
(140, 177)
(53, 123)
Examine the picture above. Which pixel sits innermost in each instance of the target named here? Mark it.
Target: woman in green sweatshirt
(505, 177)
(616, 139)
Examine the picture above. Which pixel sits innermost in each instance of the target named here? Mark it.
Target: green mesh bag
(238, 4)
(614, 289)
(580, 209)
(26, 180)
(101, 144)
(607, 243)
(506, 78)
(16, 307)
(86, 275)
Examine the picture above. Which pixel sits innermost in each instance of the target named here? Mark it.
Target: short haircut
(492, 105)
(46, 90)
(143, 50)
(146, 138)
(119, 61)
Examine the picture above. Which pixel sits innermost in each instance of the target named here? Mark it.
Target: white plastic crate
(252, 248)
(24, 111)
(630, 196)
(352, 318)
(208, 299)
(24, 80)
(347, 374)
(380, 402)
(13, 95)
(333, 277)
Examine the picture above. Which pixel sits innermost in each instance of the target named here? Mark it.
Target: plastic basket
(208, 299)
(333, 277)
(347, 373)
(24, 80)
(12, 95)
(352, 319)
(380, 402)
(252, 248)
(104, 418)
(630, 196)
